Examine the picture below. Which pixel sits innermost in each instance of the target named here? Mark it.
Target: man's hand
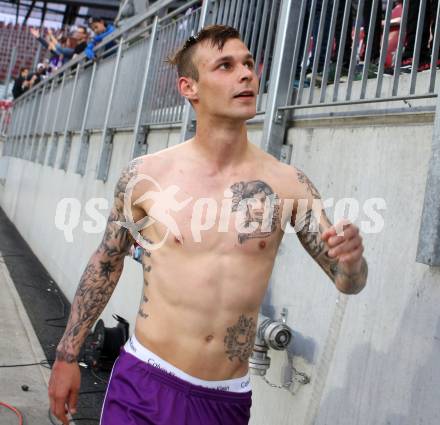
(35, 32)
(345, 245)
(64, 387)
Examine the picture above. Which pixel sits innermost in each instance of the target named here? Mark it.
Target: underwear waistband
(135, 348)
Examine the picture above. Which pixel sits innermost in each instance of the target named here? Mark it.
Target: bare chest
(242, 215)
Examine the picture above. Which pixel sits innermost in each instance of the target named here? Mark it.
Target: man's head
(41, 69)
(97, 25)
(216, 73)
(80, 34)
(24, 72)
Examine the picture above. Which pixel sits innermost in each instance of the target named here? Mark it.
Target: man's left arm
(336, 248)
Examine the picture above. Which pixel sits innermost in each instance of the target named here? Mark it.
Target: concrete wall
(372, 358)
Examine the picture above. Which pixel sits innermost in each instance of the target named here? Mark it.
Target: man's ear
(188, 88)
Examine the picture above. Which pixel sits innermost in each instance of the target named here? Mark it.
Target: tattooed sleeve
(310, 224)
(100, 275)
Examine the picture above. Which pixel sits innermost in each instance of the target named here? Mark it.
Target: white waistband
(238, 385)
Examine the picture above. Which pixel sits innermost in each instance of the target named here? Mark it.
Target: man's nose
(246, 73)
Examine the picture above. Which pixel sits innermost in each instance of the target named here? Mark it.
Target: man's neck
(222, 144)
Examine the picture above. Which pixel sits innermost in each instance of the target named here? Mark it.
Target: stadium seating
(17, 35)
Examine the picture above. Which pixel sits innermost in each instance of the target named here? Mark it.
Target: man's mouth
(245, 93)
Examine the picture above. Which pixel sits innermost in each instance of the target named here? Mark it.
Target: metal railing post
(84, 136)
(25, 152)
(354, 48)
(371, 35)
(55, 135)
(417, 46)
(107, 134)
(9, 74)
(274, 128)
(67, 137)
(434, 54)
(140, 137)
(400, 46)
(384, 47)
(21, 126)
(12, 133)
(44, 135)
(35, 137)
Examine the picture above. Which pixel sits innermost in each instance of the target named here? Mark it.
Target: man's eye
(225, 65)
(250, 65)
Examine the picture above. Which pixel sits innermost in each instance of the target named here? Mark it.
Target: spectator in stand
(32, 79)
(19, 88)
(337, 38)
(39, 74)
(375, 51)
(428, 28)
(101, 31)
(55, 59)
(67, 50)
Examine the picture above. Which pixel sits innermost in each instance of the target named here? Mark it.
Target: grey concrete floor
(19, 345)
(41, 302)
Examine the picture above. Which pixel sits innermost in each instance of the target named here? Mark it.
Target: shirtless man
(187, 362)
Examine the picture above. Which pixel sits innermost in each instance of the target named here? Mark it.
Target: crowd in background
(65, 45)
(62, 46)
(427, 28)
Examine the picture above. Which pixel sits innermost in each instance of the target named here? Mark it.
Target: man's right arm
(100, 275)
(94, 290)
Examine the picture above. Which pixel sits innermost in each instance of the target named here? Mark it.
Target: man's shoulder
(280, 170)
(148, 163)
(286, 177)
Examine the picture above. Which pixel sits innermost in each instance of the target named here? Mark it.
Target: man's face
(228, 84)
(98, 27)
(256, 207)
(25, 73)
(80, 34)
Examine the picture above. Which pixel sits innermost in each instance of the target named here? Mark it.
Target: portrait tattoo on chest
(258, 207)
(239, 339)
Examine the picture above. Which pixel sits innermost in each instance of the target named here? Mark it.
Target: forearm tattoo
(239, 339)
(355, 280)
(310, 237)
(308, 184)
(100, 275)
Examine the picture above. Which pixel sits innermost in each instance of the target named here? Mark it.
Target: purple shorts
(139, 393)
